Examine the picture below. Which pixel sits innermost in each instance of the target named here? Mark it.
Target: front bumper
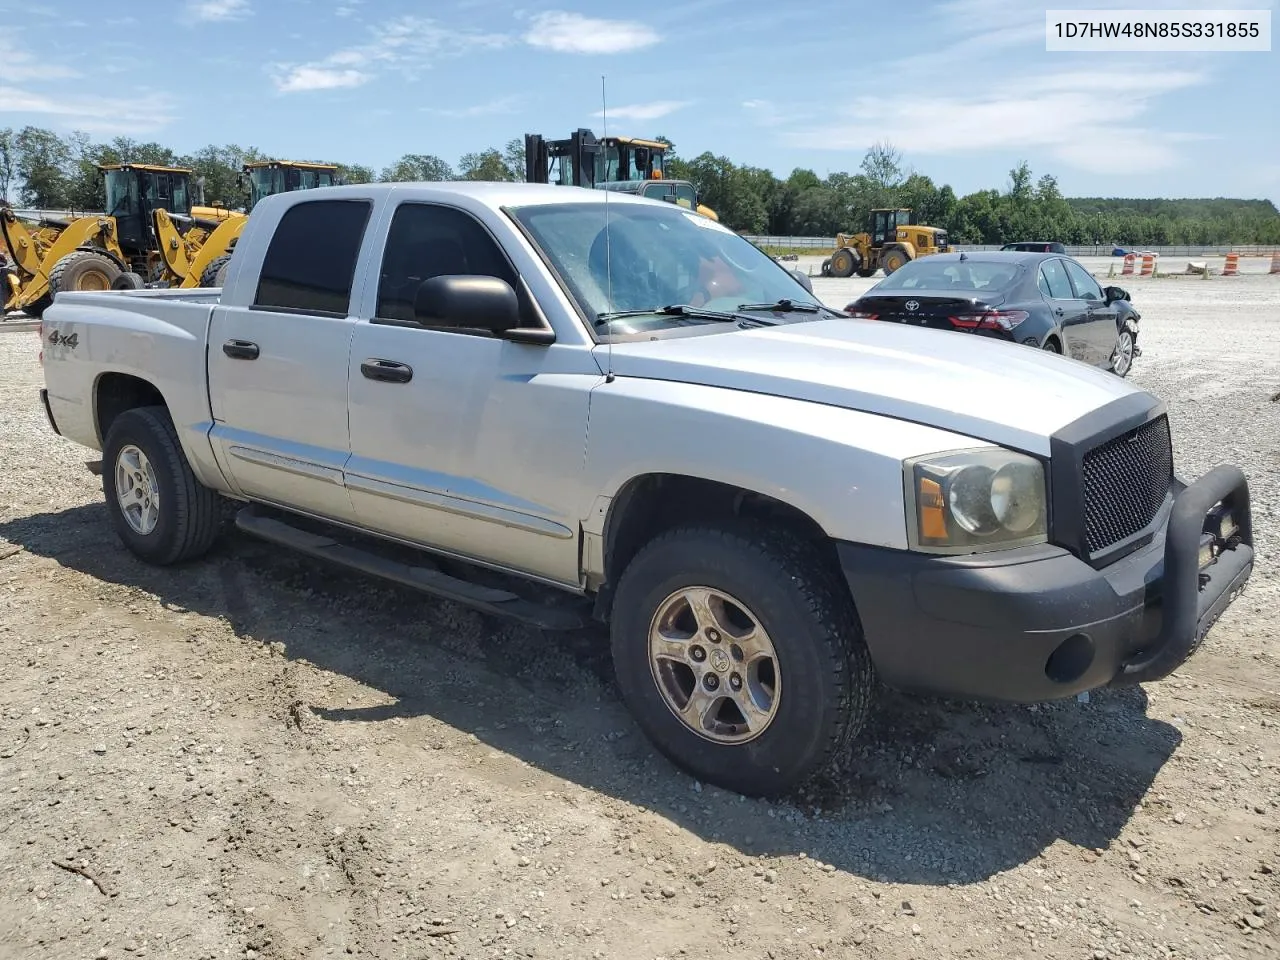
(1039, 623)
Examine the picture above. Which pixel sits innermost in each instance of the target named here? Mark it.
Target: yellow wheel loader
(891, 241)
(149, 234)
(264, 178)
(628, 164)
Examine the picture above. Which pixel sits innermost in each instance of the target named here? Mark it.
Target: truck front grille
(1126, 480)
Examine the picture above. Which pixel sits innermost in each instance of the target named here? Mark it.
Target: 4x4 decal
(61, 339)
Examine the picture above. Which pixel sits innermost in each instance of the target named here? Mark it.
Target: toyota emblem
(913, 305)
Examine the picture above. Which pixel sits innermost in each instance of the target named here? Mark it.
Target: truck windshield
(653, 256)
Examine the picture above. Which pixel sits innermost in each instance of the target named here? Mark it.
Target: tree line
(44, 170)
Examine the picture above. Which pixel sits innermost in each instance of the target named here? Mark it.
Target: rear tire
(1053, 346)
(895, 258)
(128, 281)
(215, 274)
(160, 510)
(83, 270)
(804, 701)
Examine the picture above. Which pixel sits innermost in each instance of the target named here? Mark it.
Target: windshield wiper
(783, 306)
(672, 310)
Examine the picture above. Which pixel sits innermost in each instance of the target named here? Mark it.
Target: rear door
(278, 362)
(1100, 316)
(1069, 312)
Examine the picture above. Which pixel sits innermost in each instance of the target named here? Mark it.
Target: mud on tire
(824, 678)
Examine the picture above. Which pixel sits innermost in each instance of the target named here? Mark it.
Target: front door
(461, 441)
(1069, 312)
(278, 365)
(1100, 324)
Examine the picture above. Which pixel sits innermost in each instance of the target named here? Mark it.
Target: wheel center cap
(719, 661)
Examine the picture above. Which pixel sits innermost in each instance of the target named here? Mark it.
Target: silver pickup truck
(487, 390)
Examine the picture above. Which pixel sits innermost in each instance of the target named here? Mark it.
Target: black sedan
(1043, 300)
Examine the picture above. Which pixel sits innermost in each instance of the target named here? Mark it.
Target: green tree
(8, 160)
(486, 165)
(414, 167)
(43, 159)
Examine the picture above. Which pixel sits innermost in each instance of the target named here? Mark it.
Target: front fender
(841, 468)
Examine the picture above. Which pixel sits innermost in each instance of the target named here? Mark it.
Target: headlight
(975, 500)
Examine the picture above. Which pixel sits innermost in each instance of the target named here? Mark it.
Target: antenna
(608, 252)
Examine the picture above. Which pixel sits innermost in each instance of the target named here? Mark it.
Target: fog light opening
(1071, 659)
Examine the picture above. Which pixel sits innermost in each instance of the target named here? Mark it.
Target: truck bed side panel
(160, 340)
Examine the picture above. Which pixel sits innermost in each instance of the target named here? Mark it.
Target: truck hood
(988, 389)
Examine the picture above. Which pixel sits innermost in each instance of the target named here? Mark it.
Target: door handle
(1059, 311)
(387, 371)
(241, 349)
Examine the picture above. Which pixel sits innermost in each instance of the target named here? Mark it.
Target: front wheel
(1122, 358)
(157, 506)
(740, 656)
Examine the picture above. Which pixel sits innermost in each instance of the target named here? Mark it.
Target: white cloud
(213, 10)
(489, 108)
(645, 111)
(20, 64)
(99, 115)
(407, 45)
(297, 79)
(1075, 116)
(566, 32)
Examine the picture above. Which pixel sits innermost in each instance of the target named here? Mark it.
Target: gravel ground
(256, 757)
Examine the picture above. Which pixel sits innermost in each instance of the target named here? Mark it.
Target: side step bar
(425, 577)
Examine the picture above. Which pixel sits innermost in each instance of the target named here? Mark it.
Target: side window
(1086, 287)
(427, 240)
(311, 263)
(1053, 281)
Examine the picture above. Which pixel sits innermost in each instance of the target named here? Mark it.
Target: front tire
(1122, 359)
(159, 509)
(215, 274)
(740, 656)
(83, 270)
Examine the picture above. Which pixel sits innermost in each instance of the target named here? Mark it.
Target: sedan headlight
(975, 500)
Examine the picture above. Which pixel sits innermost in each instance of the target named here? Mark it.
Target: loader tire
(83, 270)
(895, 258)
(127, 281)
(843, 262)
(36, 310)
(215, 273)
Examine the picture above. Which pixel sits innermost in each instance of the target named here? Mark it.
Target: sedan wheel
(1122, 359)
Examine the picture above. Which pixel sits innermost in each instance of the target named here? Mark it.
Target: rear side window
(311, 263)
(1053, 281)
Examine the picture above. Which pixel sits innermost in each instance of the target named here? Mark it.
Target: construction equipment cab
(625, 164)
(891, 240)
(268, 177)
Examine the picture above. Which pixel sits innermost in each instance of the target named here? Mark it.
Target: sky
(964, 89)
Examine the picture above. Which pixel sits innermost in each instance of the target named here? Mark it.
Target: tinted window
(960, 275)
(312, 258)
(428, 241)
(1086, 287)
(1053, 281)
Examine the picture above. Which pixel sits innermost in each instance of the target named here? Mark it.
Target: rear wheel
(160, 510)
(83, 270)
(127, 281)
(895, 258)
(843, 262)
(215, 273)
(1052, 345)
(740, 656)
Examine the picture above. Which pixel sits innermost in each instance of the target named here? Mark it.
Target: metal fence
(1080, 250)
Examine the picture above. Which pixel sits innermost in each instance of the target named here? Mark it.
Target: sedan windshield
(652, 257)
(962, 276)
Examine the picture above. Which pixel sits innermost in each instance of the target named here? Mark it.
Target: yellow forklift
(625, 164)
(891, 241)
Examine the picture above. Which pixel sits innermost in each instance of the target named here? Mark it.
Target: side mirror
(471, 302)
(1115, 293)
(803, 280)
